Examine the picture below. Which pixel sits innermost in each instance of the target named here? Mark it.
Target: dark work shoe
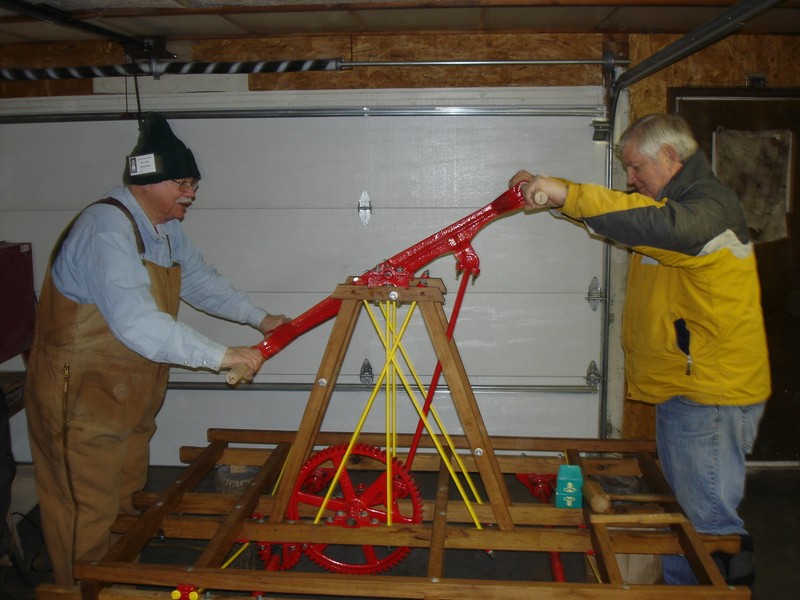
(738, 568)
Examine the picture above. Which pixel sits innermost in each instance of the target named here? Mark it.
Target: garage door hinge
(593, 377)
(602, 130)
(595, 294)
(366, 375)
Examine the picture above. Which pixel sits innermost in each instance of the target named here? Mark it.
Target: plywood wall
(55, 54)
(727, 63)
(350, 48)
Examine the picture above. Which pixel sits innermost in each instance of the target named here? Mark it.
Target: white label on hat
(142, 164)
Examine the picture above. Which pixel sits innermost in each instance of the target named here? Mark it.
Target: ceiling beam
(42, 12)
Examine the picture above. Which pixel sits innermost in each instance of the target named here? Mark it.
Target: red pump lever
(397, 271)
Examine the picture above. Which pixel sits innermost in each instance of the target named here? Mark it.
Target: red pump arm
(399, 270)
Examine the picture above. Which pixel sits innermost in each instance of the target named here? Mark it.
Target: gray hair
(653, 131)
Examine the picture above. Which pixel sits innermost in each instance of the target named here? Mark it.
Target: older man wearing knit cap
(106, 333)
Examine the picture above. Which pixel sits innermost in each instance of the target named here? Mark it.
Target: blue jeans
(702, 449)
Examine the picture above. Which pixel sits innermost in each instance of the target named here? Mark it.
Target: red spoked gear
(359, 500)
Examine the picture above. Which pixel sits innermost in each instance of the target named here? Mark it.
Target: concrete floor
(771, 509)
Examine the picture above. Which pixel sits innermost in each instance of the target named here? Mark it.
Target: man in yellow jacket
(693, 330)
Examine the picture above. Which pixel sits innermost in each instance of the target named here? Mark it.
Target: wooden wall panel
(726, 63)
(405, 48)
(56, 54)
(351, 48)
(282, 48)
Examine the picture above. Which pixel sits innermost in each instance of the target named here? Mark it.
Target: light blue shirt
(99, 264)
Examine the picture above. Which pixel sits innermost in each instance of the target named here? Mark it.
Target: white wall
(276, 212)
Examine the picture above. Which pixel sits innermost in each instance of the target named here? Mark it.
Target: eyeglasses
(187, 186)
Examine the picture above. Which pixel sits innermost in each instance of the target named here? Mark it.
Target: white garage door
(277, 213)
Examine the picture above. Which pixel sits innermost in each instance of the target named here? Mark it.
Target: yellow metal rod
(421, 386)
(420, 413)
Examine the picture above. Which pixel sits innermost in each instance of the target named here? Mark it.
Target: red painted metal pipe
(401, 268)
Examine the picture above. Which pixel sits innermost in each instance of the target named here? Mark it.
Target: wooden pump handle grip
(598, 499)
(236, 374)
(540, 198)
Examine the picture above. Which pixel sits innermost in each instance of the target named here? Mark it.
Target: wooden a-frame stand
(606, 527)
(430, 299)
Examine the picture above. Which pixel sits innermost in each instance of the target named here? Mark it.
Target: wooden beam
(439, 529)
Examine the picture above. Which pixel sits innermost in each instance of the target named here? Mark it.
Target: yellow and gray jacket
(692, 324)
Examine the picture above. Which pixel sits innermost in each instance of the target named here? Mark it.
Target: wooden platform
(351, 503)
(642, 523)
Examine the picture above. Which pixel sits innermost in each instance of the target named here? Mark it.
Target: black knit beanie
(158, 155)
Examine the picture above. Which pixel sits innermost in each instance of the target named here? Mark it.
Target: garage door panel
(400, 161)
(515, 339)
(276, 213)
(312, 250)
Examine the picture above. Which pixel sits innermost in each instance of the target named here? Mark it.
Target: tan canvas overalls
(91, 405)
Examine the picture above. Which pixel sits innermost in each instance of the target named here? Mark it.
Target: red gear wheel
(359, 500)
